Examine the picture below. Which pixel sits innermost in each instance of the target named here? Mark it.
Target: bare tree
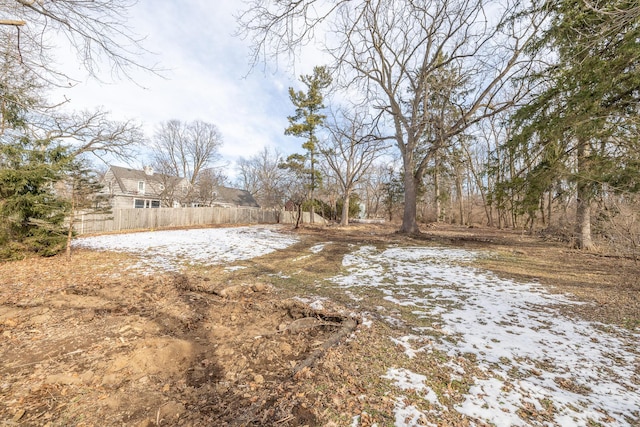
(186, 149)
(372, 188)
(99, 35)
(390, 49)
(208, 181)
(95, 30)
(295, 184)
(86, 132)
(330, 191)
(261, 176)
(351, 148)
(95, 133)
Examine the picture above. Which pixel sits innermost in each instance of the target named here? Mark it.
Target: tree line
(512, 114)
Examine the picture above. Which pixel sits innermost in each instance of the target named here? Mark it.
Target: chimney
(148, 170)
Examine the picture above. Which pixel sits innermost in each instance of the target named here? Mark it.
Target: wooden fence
(148, 219)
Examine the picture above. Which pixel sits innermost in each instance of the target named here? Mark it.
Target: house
(131, 188)
(225, 196)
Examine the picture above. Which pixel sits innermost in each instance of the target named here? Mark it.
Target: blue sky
(207, 79)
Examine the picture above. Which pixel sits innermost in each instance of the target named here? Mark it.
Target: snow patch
(405, 379)
(530, 352)
(409, 415)
(318, 248)
(170, 249)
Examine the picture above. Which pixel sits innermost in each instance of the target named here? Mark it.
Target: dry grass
(75, 336)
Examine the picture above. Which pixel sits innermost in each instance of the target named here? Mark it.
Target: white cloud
(207, 78)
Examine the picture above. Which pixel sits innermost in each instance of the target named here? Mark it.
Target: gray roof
(223, 195)
(122, 173)
(234, 196)
(126, 173)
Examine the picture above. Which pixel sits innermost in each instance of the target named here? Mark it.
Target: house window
(142, 203)
(141, 187)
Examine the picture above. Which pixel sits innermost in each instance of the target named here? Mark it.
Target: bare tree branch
(96, 31)
(186, 149)
(354, 144)
(263, 178)
(393, 51)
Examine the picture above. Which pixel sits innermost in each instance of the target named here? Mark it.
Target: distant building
(225, 196)
(131, 188)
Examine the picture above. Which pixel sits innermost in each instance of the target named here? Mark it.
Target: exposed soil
(82, 348)
(90, 342)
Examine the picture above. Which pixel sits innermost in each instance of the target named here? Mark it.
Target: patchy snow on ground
(404, 379)
(409, 415)
(533, 357)
(170, 249)
(318, 248)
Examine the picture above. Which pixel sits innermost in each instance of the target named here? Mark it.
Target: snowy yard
(531, 355)
(169, 250)
(530, 358)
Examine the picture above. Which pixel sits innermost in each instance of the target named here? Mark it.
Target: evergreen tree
(393, 190)
(32, 214)
(586, 119)
(82, 186)
(308, 118)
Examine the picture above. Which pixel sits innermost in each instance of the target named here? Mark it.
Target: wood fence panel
(156, 218)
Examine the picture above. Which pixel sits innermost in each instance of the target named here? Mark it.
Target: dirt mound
(154, 350)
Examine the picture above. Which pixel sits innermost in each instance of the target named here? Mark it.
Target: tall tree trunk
(549, 203)
(460, 196)
(409, 224)
(298, 215)
(584, 198)
(344, 220)
(312, 214)
(334, 208)
(436, 189)
(483, 192)
(583, 219)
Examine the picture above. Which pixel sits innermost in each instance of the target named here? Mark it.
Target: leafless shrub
(619, 224)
